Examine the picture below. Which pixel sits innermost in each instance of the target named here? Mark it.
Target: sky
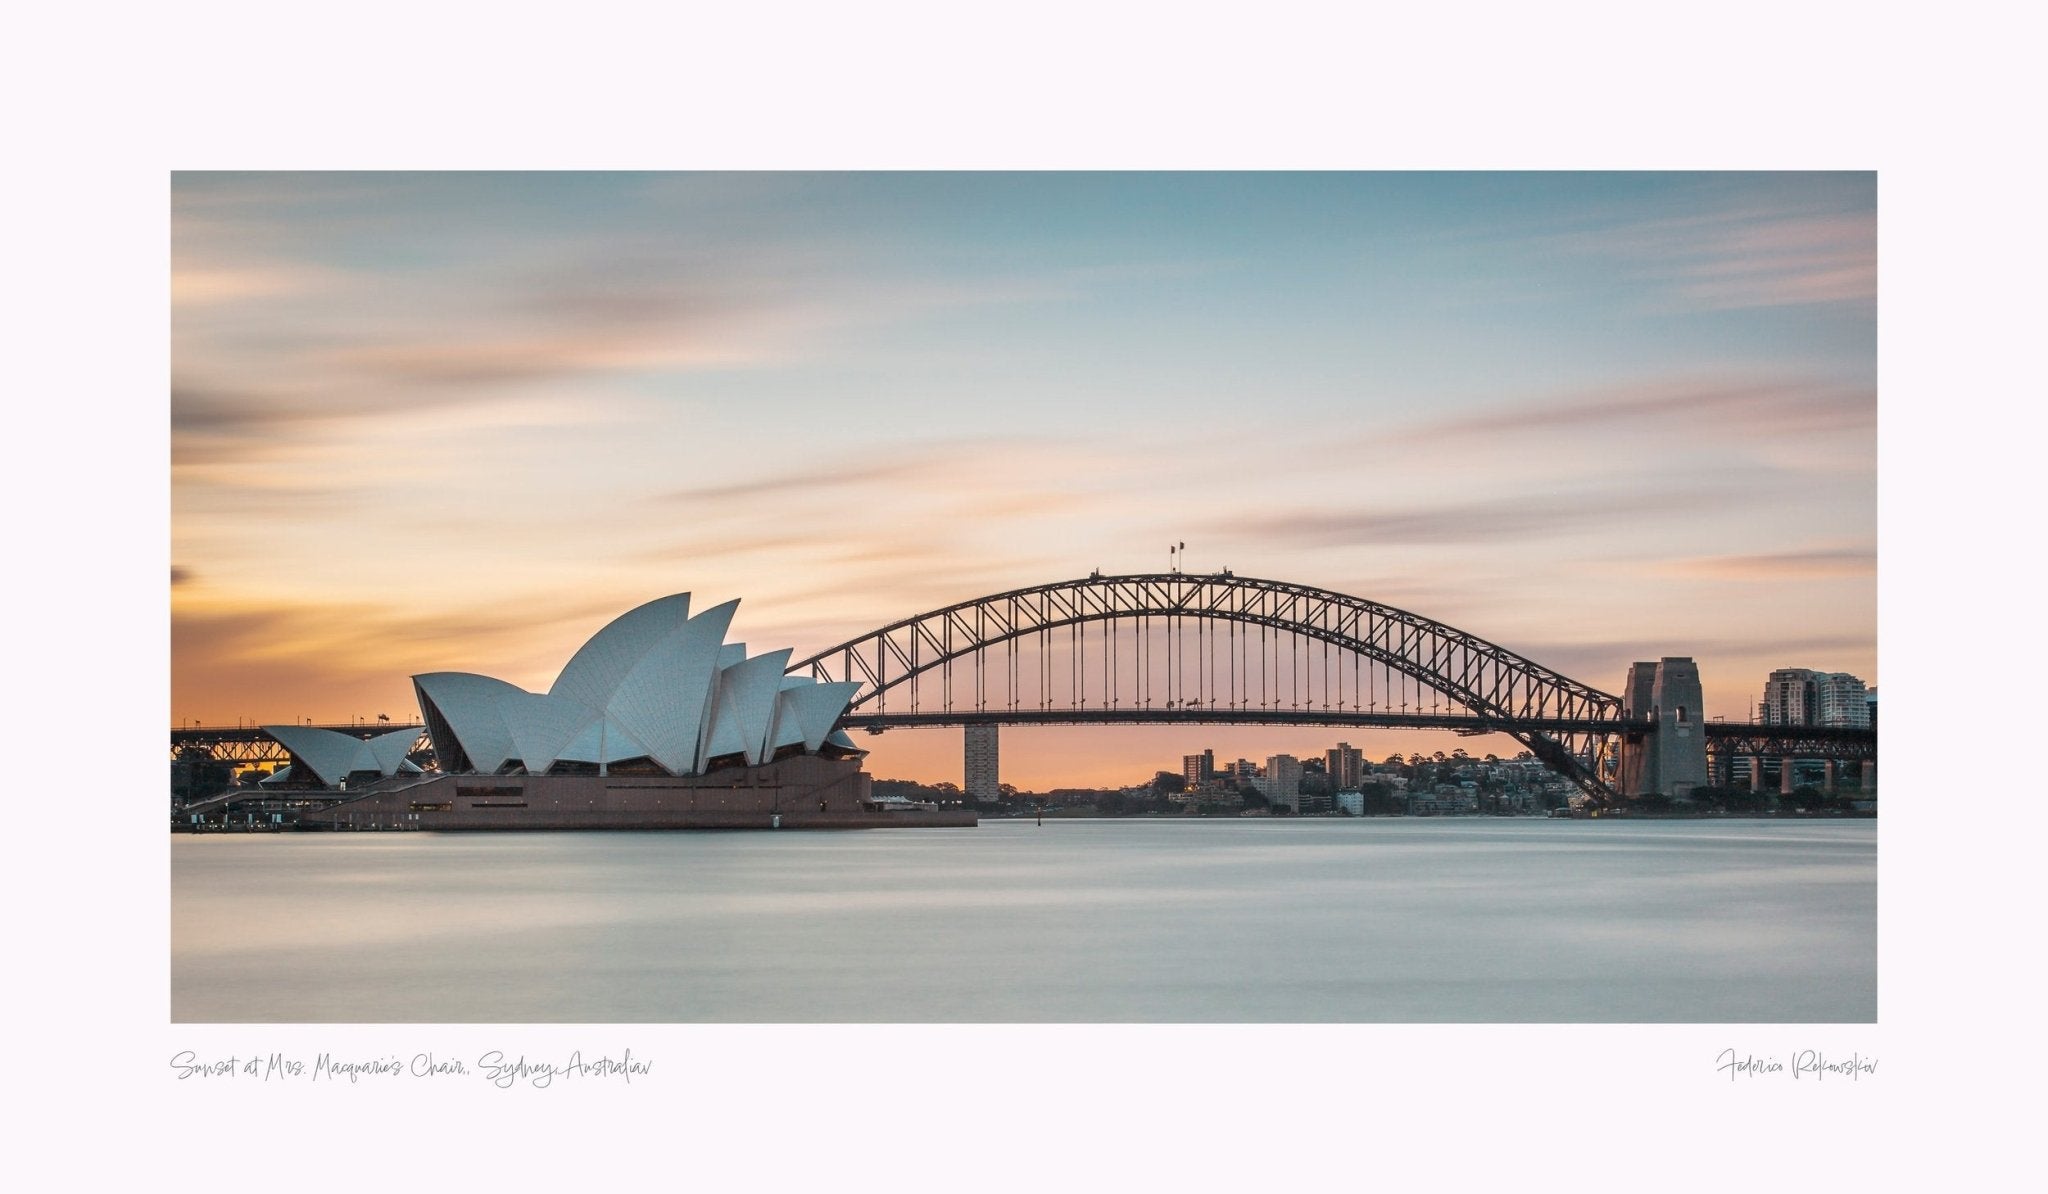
(429, 422)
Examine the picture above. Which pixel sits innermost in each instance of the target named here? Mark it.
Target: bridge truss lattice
(1170, 647)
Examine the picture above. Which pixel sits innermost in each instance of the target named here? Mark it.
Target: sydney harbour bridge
(1174, 647)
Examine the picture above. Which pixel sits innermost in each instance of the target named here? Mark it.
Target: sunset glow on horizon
(433, 422)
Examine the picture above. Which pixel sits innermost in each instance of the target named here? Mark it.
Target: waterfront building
(1442, 804)
(655, 723)
(1791, 697)
(1844, 701)
(1344, 764)
(1798, 696)
(1199, 769)
(657, 691)
(1282, 781)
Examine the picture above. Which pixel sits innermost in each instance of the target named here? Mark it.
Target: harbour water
(1471, 920)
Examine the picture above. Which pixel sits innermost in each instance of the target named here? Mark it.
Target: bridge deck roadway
(1462, 723)
(1731, 737)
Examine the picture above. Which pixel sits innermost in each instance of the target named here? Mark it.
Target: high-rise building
(982, 779)
(1798, 696)
(1843, 701)
(1792, 697)
(1198, 769)
(1344, 765)
(1282, 782)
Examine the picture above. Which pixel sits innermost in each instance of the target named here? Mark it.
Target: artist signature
(1807, 1064)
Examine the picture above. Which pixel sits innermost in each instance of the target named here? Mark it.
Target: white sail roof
(333, 756)
(745, 708)
(654, 683)
(388, 751)
(603, 741)
(818, 707)
(469, 704)
(595, 672)
(541, 727)
(665, 696)
(788, 728)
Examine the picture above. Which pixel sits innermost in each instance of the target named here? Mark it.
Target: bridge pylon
(1664, 752)
(983, 781)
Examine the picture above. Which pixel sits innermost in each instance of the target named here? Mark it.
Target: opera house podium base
(803, 792)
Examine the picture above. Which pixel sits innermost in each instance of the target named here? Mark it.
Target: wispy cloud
(196, 285)
(699, 549)
(949, 481)
(202, 412)
(805, 481)
(1725, 408)
(1466, 523)
(1733, 646)
(1776, 566)
(1734, 253)
(1732, 667)
(223, 646)
(493, 360)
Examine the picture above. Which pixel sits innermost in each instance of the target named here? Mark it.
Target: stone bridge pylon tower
(1672, 759)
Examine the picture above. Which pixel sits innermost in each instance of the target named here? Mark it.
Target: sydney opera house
(656, 723)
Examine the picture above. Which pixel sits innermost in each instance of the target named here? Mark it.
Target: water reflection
(1136, 920)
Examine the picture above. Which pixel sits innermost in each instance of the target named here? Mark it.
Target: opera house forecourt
(656, 723)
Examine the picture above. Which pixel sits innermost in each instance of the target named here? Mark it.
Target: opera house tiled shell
(657, 691)
(330, 757)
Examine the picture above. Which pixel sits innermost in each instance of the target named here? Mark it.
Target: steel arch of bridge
(1565, 723)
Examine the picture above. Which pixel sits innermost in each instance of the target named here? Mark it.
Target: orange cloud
(277, 660)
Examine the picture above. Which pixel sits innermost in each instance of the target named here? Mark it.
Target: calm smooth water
(1389, 920)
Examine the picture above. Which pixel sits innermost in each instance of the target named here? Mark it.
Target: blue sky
(460, 420)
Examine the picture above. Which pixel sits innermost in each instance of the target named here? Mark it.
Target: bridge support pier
(1788, 777)
(1672, 759)
(983, 781)
(1833, 779)
(1866, 778)
(1756, 773)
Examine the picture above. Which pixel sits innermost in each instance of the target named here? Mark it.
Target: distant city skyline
(457, 421)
